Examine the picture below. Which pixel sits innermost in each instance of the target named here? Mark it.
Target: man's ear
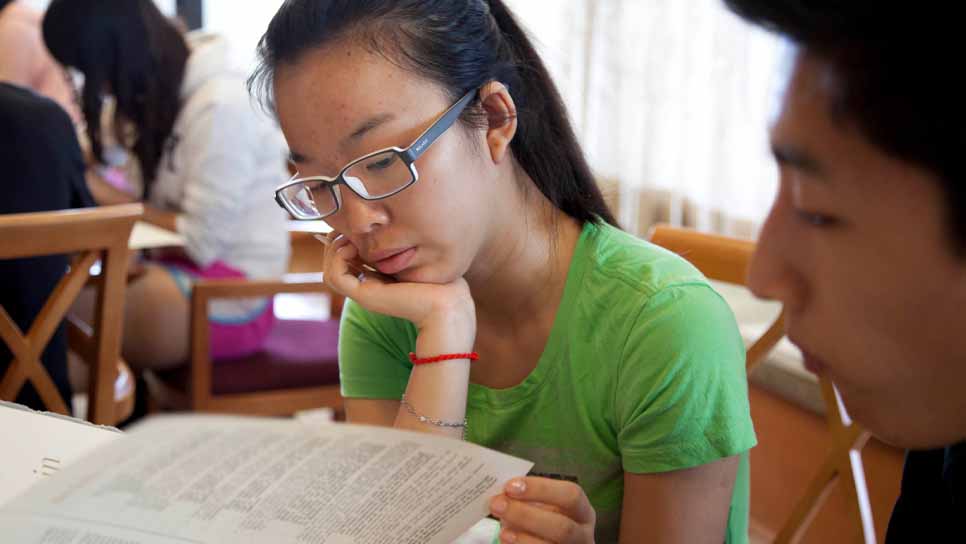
(501, 116)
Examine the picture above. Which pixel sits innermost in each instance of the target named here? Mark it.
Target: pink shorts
(235, 331)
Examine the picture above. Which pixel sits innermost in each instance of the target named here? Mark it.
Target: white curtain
(671, 100)
(242, 23)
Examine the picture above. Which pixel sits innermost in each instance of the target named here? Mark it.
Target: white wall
(241, 23)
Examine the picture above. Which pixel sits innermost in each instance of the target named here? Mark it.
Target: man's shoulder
(932, 501)
(20, 107)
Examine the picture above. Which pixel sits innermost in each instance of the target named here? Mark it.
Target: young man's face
(856, 247)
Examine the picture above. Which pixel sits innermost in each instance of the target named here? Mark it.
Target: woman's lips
(395, 263)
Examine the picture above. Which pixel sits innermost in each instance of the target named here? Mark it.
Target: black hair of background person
(192, 12)
(43, 170)
(130, 49)
(460, 46)
(895, 79)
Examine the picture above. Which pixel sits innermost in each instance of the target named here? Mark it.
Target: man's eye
(817, 219)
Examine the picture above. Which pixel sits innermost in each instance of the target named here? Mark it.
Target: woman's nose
(361, 216)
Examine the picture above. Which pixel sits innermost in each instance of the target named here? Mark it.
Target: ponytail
(545, 144)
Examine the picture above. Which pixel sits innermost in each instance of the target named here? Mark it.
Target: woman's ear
(501, 116)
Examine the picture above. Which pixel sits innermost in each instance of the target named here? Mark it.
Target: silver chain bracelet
(430, 420)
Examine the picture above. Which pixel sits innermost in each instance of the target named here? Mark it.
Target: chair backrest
(201, 395)
(89, 234)
(726, 259)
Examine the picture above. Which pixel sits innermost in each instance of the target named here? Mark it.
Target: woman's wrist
(450, 332)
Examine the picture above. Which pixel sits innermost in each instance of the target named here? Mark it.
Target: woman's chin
(424, 274)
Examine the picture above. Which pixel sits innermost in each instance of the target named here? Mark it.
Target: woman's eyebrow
(369, 124)
(366, 126)
(295, 157)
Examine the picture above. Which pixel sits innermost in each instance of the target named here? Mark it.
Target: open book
(198, 479)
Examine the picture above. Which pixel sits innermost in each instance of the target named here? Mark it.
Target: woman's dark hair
(460, 45)
(3, 4)
(894, 74)
(129, 49)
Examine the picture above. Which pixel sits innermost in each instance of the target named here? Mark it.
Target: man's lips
(812, 362)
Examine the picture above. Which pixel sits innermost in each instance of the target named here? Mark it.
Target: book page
(213, 479)
(40, 444)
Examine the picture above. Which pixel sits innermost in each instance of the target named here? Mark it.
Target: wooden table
(148, 236)
(144, 235)
(312, 227)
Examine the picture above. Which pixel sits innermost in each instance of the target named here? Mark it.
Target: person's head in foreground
(865, 243)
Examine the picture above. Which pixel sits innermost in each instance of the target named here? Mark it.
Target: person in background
(865, 243)
(432, 139)
(43, 170)
(25, 61)
(207, 158)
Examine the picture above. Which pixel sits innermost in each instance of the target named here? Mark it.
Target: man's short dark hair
(897, 68)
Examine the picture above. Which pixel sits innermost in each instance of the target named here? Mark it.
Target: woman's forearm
(435, 400)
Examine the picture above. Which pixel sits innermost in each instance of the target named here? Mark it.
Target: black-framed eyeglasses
(374, 176)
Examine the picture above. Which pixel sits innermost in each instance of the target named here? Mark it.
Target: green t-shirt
(643, 372)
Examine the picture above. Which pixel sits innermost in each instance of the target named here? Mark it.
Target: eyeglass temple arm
(439, 127)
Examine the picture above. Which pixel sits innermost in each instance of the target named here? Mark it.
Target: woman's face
(341, 102)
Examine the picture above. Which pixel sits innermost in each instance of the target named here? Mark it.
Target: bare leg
(156, 317)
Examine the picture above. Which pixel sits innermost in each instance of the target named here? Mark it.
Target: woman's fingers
(510, 537)
(567, 496)
(551, 510)
(339, 247)
(523, 519)
(347, 275)
(336, 272)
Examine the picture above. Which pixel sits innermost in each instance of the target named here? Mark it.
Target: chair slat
(93, 233)
(60, 300)
(53, 233)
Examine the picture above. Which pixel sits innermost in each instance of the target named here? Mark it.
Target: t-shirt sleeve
(374, 354)
(682, 399)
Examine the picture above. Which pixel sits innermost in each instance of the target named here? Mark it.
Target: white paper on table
(484, 532)
(146, 236)
(41, 444)
(212, 479)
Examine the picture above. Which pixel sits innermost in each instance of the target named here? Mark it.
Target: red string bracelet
(446, 357)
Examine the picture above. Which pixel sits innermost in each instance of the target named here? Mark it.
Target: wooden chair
(92, 234)
(296, 370)
(726, 259)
